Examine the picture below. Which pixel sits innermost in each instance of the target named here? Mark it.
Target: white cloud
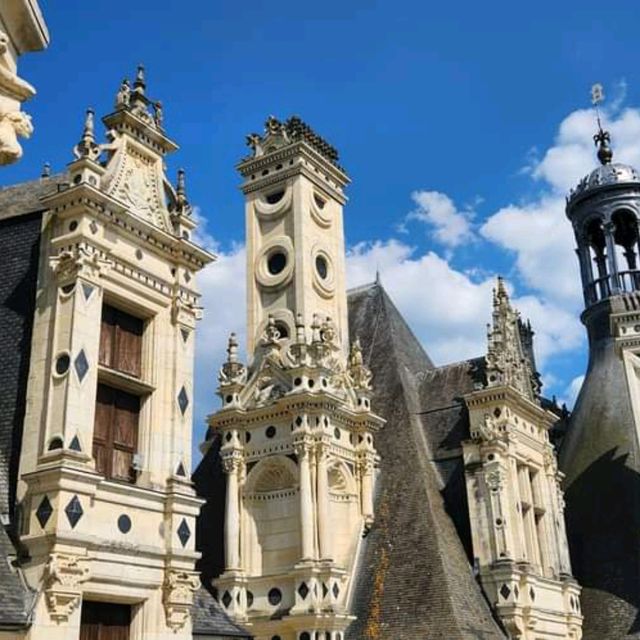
(537, 232)
(222, 285)
(451, 227)
(541, 240)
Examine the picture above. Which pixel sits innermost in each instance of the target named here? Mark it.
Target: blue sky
(460, 124)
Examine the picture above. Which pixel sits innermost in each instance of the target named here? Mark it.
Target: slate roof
(17, 600)
(415, 579)
(20, 225)
(601, 459)
(23, 198)
(210, 620)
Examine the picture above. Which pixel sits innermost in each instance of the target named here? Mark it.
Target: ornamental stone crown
(281, 134)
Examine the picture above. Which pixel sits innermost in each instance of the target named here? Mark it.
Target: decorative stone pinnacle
(46, 170)
(509, 360)
(182, 203)
(87, 147)
(140, 84)
(232, 371)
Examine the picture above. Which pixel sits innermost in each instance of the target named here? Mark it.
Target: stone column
(306, 506)
(324, 525)
(586, 270)
(232, 519)
(494, 478)
(367, 489)
(518, 529)
(609, 229)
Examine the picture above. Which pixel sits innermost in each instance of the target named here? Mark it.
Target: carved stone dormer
(510, 360)
(130, 165)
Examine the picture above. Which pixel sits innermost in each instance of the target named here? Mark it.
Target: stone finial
(46, 170)
(509, 359)
(140, 84)
(232, 371)
(359, 374)
(124, 95)
(182, 203)
(87, 147)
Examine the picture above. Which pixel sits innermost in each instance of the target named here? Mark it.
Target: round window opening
(276, 263)
(322, 267)
(62, 364)
(283, 330)
(275, 597)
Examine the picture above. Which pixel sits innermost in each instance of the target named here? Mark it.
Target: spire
(87, 147)
(602, 138)
(509, 358)
(182, 203)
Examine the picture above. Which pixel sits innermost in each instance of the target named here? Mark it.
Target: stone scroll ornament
(13, 122)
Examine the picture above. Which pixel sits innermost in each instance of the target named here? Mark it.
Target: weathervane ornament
(602, 138)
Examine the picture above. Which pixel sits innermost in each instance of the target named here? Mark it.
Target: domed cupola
(604, 209)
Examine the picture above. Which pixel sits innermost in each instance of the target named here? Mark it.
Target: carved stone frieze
(80, 260)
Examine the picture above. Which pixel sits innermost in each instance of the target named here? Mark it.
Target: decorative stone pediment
(135, 178)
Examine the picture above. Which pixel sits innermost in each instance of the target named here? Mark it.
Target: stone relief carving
(13, 122)
(178, 590)
(63, 576)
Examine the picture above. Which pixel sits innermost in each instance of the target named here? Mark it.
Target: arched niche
(271, 496)
(345, 513)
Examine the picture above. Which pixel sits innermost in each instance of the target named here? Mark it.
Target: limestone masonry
(349, 489)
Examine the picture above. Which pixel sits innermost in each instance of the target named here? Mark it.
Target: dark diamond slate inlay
(74, 511)
(226, 599)
(74, 445)
(44, 511)
(505, 592)
(81, 364)
(303, 590)
(336, 590)
(324, 590)
(532, 594)
(180, 471)
(183, 400)
(249, 599)
(185, 334)
(184, 533)
(87, 289)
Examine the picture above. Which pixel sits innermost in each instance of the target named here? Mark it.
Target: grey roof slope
(210, 620)
(16, 598)
(601, 460)
(414, 579)
(23, 198)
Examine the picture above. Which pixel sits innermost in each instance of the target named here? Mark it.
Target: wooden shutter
(115, 433)
(121, 341)
(128, 344)
(102, 429)
(125, 435)
(107, 336)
